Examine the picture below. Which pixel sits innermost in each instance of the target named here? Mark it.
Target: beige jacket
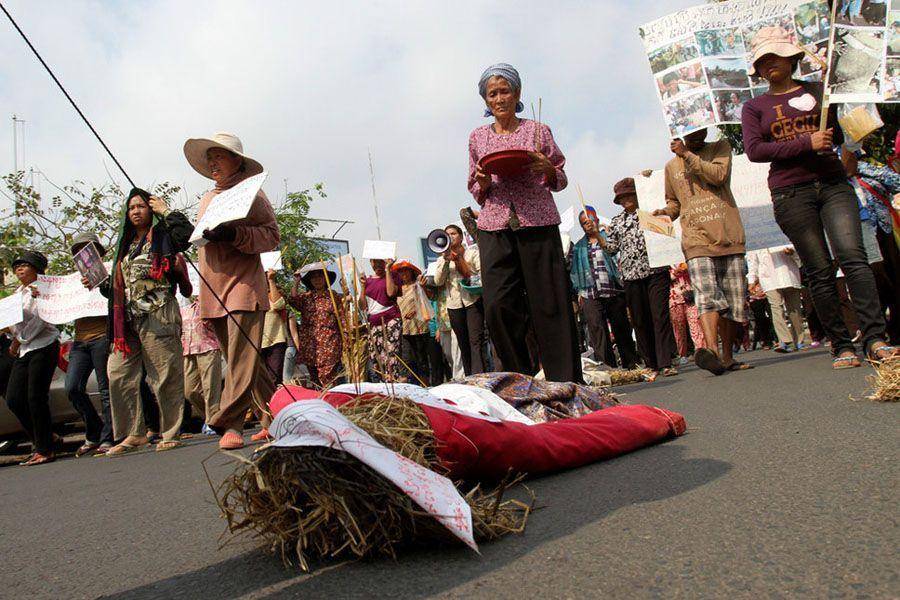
(447, 275)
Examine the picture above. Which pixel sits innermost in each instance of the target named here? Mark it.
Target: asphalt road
(783, 487)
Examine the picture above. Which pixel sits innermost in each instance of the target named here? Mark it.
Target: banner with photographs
(700, 56)
(865, 55)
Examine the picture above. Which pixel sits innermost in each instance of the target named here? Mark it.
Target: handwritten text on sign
(63, 298)
(11, 310)
(229, 205)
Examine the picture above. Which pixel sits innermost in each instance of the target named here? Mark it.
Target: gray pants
(788, 300)
(156, 347)
(203, 382)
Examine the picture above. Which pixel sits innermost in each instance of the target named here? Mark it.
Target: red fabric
(483, 450)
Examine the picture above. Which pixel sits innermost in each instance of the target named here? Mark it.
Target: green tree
(297, 227)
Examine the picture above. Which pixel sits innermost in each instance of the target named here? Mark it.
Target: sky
(311, 87)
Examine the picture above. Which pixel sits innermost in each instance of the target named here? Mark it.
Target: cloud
(311, 87)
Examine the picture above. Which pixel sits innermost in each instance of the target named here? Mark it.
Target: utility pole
(285, 189)
(374, 198)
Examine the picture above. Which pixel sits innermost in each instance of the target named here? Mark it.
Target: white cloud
(310, 86)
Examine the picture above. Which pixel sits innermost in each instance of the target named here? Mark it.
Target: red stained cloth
(478, 449)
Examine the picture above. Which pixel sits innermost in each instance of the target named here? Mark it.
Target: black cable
(121, 168)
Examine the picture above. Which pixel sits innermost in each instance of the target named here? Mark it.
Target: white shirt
(774, 269)
(447, 275)
(33, 333)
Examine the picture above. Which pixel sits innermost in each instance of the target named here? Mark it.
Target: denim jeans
(85, 357)
(805, 212)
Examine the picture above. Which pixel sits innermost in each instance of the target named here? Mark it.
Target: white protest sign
(62, 299)
(431, 270)
(11, 310)
(567, 220)
(316, 423)
(229, 205)
(751, 195)
(700, 56)
(271, 260)
(378, 249)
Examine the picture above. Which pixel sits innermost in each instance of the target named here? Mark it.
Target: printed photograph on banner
(680, 81)
(721, 42)
(892, 80)
(727, 72)
(812, 22)
(856, 64)
(689, 114)
(893, 43)
(810, 69)
(861, 13)
(729, 103)
(759, 90)
(673, 54)
(785, 21)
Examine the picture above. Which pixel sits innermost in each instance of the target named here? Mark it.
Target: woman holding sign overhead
(522, 265)
(378, 299)
(811, 195)
(237, 304)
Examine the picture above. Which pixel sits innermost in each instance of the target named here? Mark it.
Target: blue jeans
(805, 212)
(85, 357)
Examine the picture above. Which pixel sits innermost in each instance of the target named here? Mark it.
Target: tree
(296, 227)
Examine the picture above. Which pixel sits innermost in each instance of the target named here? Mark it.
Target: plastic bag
(859, 120)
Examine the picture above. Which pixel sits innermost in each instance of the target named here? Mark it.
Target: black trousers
(414, 350)
(599, 311)
(648, 301)
(28, 394)
(804, 213)
(438, 369)
(468, 326)
(523, 273)
(763, 328)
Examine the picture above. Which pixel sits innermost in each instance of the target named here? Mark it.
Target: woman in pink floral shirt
(523, 270)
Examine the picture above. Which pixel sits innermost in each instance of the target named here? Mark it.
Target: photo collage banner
(700, 56)
(865, 56)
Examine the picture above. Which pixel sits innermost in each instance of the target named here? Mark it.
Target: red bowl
(505, 163)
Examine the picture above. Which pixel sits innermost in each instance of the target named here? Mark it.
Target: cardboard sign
(379, 250)
(661, 224)
(63, 298)
(90, 264)
(229, 205)
(11, 310)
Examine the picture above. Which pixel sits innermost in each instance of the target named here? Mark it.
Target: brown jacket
(233, 269)
(698, 188)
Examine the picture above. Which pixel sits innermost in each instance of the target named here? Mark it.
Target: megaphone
(438, 241)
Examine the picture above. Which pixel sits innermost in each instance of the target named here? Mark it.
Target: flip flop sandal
(168, 445)
(39, 459)
(123, 449)
(707, 359)
(739, 366)
(845, 362)
(231, 441)
(893, 352)
(86, 448)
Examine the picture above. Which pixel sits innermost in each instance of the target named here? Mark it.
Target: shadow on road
(573, 500)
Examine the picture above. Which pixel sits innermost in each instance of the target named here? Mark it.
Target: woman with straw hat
(522, 266)
(810, 193)
(230, 265)
(320, 347)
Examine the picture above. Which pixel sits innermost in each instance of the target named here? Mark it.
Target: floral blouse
(626, 239)
(528, 194)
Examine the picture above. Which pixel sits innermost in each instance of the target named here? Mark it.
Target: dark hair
(454, 226)
(143, 194)
(670, 77)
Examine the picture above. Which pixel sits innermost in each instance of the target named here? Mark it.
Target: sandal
(651, 376)
(261, 436)
(86, 448)
(168, 445)
(125, 448)
(845, 362)
(232, 440)
(706, 359)
(739, 366)
(39, 459)
(669, 372)
(883, 352)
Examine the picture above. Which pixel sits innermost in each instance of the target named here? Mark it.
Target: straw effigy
(886, 381)
(314, 502)
(622, 377)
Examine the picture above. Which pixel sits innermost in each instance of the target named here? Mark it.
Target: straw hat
(307, 270)
(772, 40)
(195, 151)
(405, 264)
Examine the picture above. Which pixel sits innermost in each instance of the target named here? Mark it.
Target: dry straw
(313, 503)
(886, 381)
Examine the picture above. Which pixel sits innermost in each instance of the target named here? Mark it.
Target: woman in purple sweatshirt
(810, 193)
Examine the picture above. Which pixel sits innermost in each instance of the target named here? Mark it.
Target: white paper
(431, 270)
(408, 391)
(378, 249)
(751, 194)
(271, 260)
(316, 423)
(62, 299)
(479, 402)
(567, 220)
(11, 310)
(229, 205)
(699, 57)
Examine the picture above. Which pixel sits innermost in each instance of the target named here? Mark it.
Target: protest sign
(62, 299)
(700, 56)
(11, 310)
(271, 260)
(661, 225)
(90, 265)
(378, 249)
(567, 220)
(864, 57)
(229, 205)
(751, 194)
